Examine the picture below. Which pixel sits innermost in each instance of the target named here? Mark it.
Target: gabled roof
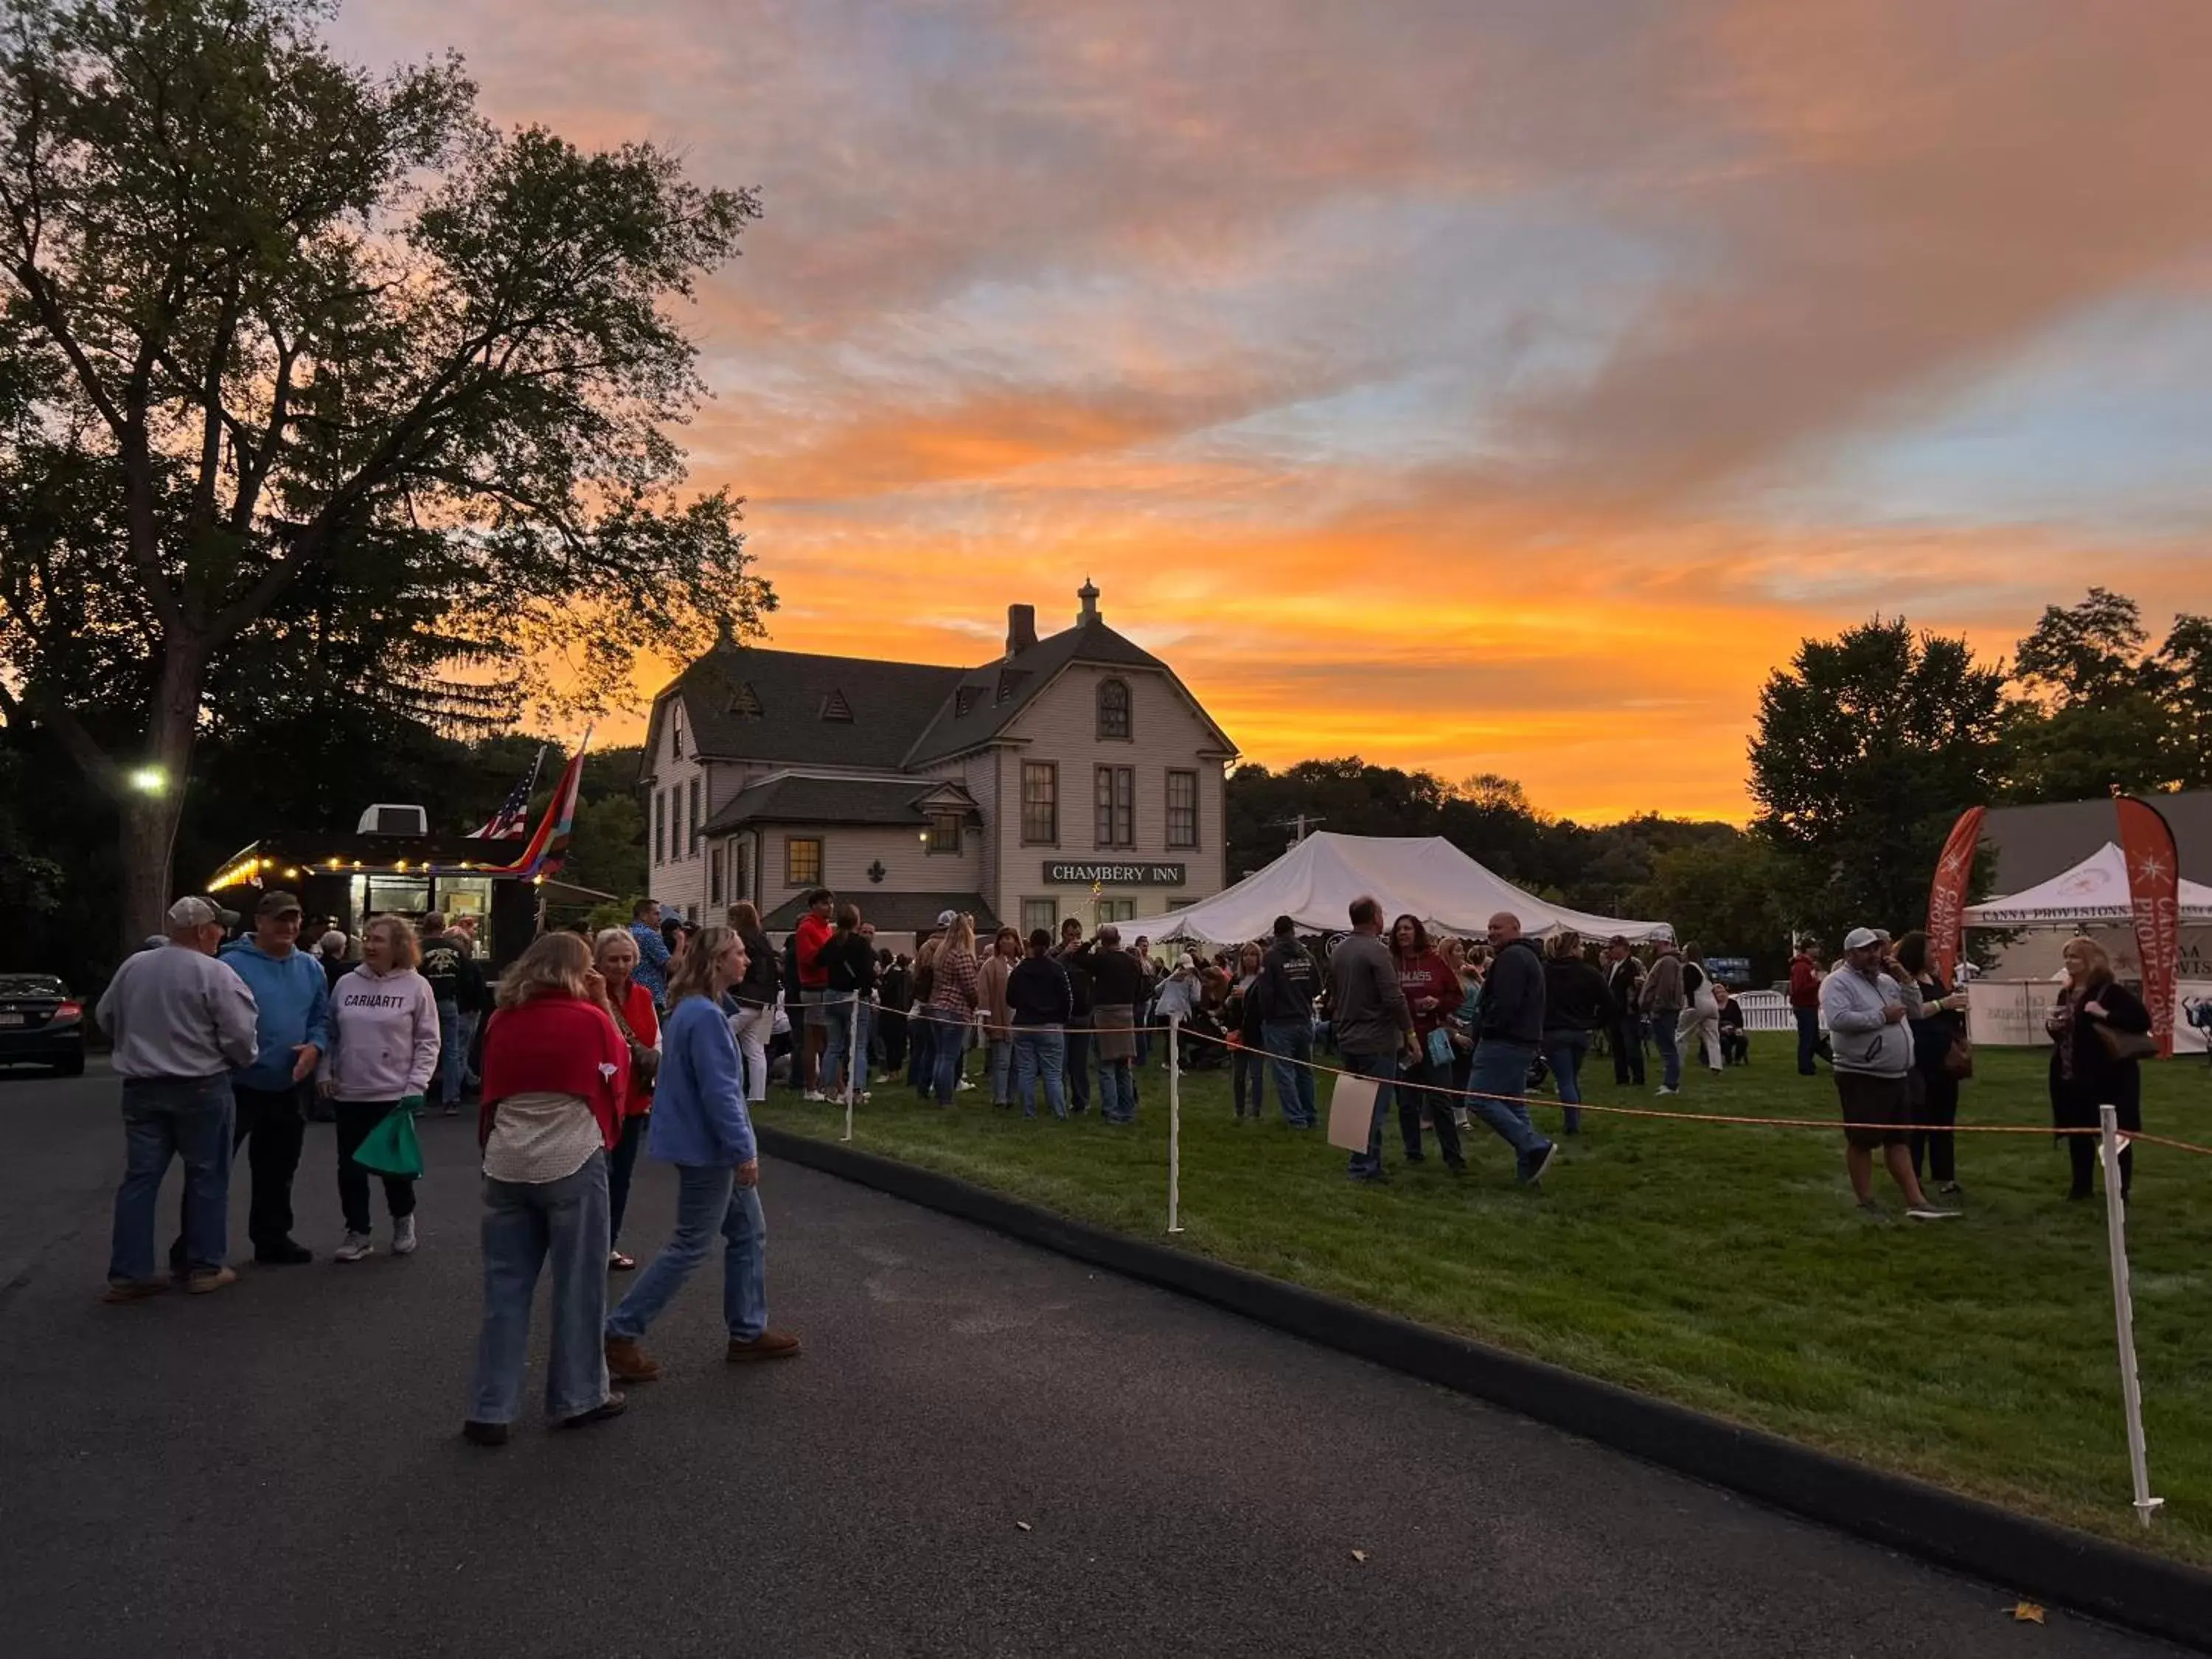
(798, 798)
(995, 693)
(804, 700)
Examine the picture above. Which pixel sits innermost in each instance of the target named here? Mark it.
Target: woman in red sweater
(554, 1074)
(1434, 992)
(615, 955)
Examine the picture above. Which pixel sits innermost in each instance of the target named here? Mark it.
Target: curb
(2037, 1558)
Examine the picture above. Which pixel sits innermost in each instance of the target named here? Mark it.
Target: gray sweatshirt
(177, 1014)
(383, 1035)
(1368, 1013)
(1863, 1037)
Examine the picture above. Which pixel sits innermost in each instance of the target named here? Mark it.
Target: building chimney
(1089, 594)
(1021, 628)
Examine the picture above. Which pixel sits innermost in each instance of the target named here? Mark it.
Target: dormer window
(1114, 711)
(1010, 681)
(964, 699)
(834, 707)
(746, 703)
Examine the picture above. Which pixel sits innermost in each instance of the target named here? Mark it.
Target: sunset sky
(1482, 385)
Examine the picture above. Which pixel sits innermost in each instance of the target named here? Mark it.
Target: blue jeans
(1383, 1069)
(525, 1222)
(1289, 1048)
(1117, 1090)
(840, 1016)
(1038, 1051)
(1808, 1040)
(1665, 1023)
(451, 1053)
(1565, 1052)
(188, 1118)
(707, 1202)
(1002, 1068)
(952, 1054)
(1501, 1068)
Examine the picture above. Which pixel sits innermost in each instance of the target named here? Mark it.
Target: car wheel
(73, 1066)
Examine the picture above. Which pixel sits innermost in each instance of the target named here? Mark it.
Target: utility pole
(1298, 823)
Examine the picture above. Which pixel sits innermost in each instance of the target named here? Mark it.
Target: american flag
(512, 818)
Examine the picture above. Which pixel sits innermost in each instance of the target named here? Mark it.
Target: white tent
(1316, 881)
(2093, 891)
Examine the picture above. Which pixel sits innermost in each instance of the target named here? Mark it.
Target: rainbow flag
(548, 842)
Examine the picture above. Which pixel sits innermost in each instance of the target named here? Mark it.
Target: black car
(40, 1024)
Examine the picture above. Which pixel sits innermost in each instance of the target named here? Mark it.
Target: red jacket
(555, 1044)
(1804, 983)
(1429, 976)
(645, 1026)
(813, 933)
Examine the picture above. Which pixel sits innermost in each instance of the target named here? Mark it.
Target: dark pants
(1735, 1046)
(620, 1163)
(1934, 1110)
(1076, 1071)
(2084, 1152)
(921, 1064)
(1627, 1049)
(1421, 1092)
(1250, 1079)
(355, 1119)
(274, 1121)
(1808, 1041)
(892, 1024)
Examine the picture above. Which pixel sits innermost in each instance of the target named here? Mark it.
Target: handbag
(1440, 1048)
(1958, 1058)
(391, 1147)
(644, 1062)
(2124, 1046)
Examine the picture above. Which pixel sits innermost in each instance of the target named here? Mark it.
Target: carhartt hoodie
(384, 1035)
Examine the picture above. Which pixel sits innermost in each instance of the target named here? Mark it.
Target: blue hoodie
(294, 997)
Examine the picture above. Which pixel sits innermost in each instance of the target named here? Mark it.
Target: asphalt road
(276, 1470)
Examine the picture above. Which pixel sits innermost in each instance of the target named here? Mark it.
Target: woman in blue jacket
(700, 1124)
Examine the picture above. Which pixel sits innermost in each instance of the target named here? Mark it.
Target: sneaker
(1951, 1189)
(356, 1246)
(1530, 1176)
(133, 1290)
(1929, 1213)
(202, 1282)
(287, 1253)
(454, 1110)
(403, 1235)
(813, 1095)
(484, 1434)
(612, 1406)
(1663, 1090)
(768, 1344)
(1459, 1117)
(628, 1363)
(966, 1084)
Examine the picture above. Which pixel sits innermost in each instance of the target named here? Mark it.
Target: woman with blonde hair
(700, 1124)
(2099, 1028)
(629, 1004)
(952, 1003)
(556, 1075)
(753, 998)
(384, 1051)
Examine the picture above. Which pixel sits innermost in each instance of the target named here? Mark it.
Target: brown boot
(768, 1344)
(627, 1362)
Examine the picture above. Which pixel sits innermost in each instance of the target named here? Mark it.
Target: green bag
(391, 1147)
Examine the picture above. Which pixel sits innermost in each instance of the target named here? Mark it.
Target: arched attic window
(1114, 711)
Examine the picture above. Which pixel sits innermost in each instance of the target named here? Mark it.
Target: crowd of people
(660, 1036)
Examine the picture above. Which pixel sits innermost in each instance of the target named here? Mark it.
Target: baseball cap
(946, 918)
(278, 904)
(199, 912)
(1860, 939)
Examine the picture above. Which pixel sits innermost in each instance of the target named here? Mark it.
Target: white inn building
(1076, 775)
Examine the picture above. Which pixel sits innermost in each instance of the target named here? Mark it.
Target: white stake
(2123, 1315)
(1175, 1123)
(852, 1042)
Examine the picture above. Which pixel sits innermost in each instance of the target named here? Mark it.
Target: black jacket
(1117, 979)
(1623, 979)
(1288, 981)
(2097, 1079)
(1040, 992)
(896, 988)
(451, 972)
(763, 973)
(1078, 964)
(1575, 996)
(850, 960)
(1513, 995)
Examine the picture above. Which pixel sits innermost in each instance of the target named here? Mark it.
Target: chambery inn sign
(1114, 875)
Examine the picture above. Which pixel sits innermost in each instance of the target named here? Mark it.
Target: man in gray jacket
(1370, 1020)
(1866, 1009)
(181, 1023)
(1662, 1001)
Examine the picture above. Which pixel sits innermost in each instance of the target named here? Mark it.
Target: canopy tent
(1316, 881)
(2093, 891)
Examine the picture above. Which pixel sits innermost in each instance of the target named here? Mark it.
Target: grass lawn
(1722, 1267)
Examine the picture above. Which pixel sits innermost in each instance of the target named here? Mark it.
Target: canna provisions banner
(2154, 896)
(1947, 896)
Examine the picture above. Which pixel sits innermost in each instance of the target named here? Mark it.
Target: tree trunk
(152, 803)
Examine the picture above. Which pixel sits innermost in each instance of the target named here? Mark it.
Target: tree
(2185, 662)
(1727, 894)
(300, 362)
(1868, 746)
(2087, 654)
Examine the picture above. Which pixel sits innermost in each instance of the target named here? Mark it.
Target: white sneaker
(965, 1083)
(1459, 1117)
(356, 1246)
(1929, 1213)
(814, 1094)
(1670, 1091)
(863, 1097)
(403, 1235)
